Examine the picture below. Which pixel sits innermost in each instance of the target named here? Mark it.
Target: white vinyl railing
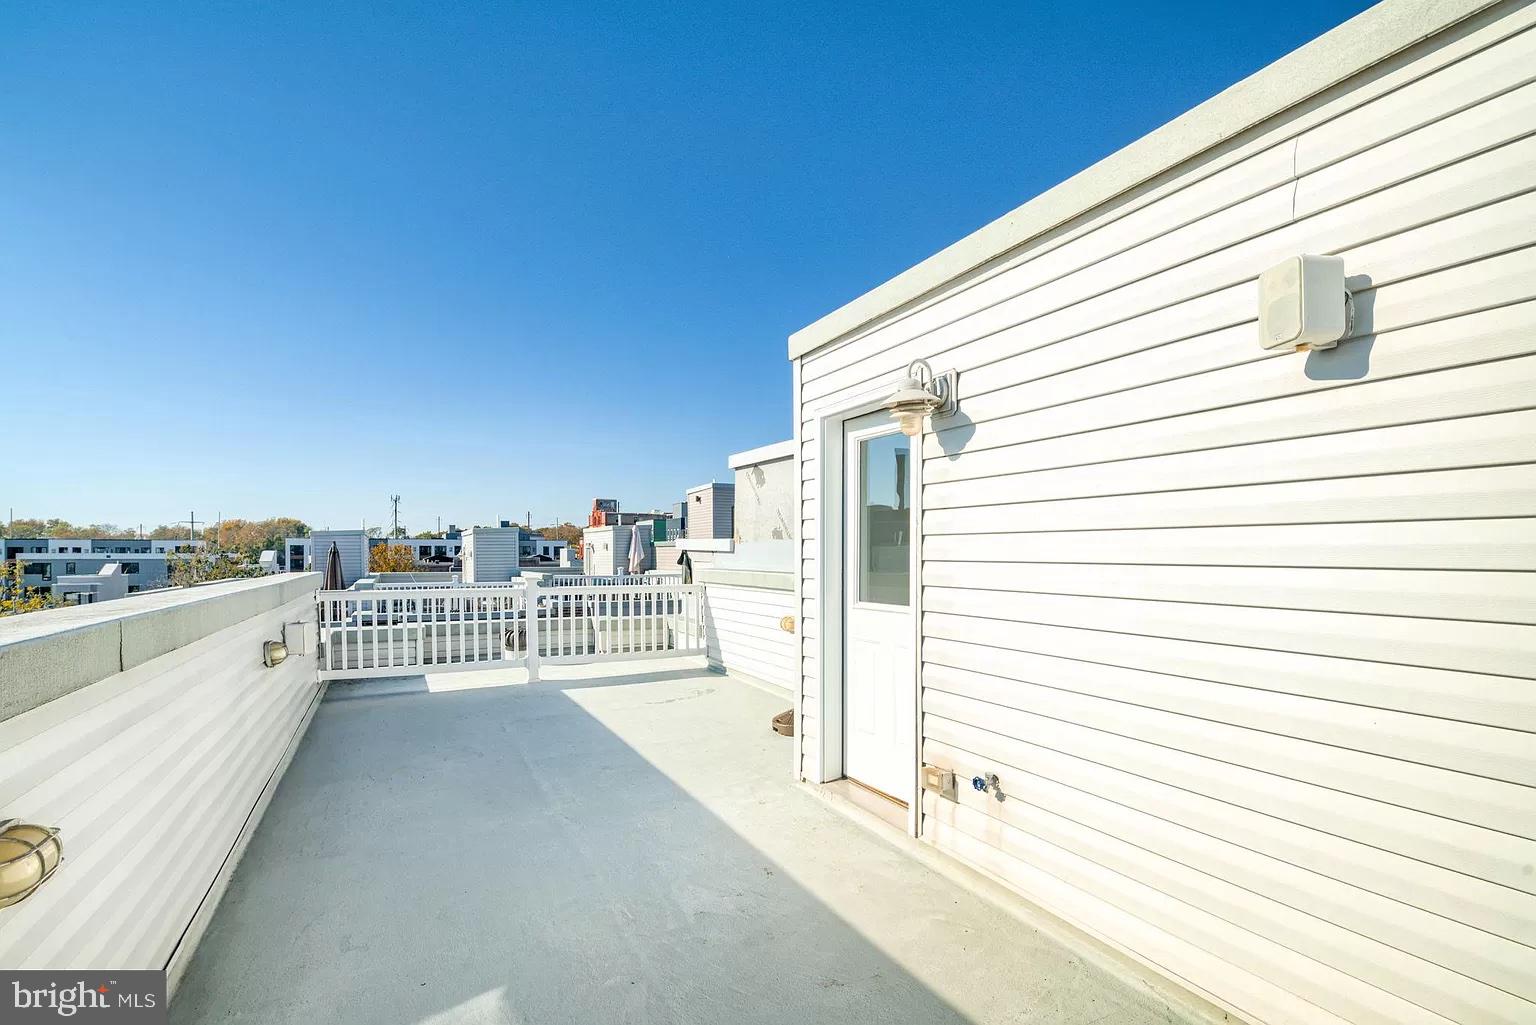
(401, 631)
(597, 623)
(436, 584)
(577, 580)
(406, 631)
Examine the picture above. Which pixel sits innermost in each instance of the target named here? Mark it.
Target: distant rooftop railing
(574, 580)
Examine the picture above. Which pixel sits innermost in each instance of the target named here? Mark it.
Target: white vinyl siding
(153, 775)
(608, 551)
(351, 546)
(491, 554)
(743, 633)
(1249, 637)
(711, 511)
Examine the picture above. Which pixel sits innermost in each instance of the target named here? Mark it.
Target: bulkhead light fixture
(920, 395)
(273, 653)
(28, 856)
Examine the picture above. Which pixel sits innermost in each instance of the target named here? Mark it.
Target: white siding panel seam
(1486, 63)
(1413, 205)
(1502, 126)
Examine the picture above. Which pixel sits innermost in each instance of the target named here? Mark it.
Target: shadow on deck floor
(620, 849)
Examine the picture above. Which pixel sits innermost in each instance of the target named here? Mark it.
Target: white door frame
(829, 591)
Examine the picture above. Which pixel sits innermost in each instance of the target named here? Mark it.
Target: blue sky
(288, 258)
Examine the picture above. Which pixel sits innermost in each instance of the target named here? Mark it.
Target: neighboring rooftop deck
(610, 846)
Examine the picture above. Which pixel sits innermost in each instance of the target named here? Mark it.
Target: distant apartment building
(106, 584)
(606, 513)
(705, 512)
(602, 509)
(431, 553)
(546, 550)
(16, 546)
(481, 554)
(61, 573)
(91, 569)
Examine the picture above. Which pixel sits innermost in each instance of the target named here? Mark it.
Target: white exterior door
(879, 671)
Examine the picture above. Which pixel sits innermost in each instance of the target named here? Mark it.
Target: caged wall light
(28, 856)
(920, 395)
(273, 653)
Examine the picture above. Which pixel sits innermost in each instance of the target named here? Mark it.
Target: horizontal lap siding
(150, 775)
(1250, 637)
(743, 635)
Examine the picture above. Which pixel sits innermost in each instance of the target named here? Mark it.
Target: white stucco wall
(765, 493)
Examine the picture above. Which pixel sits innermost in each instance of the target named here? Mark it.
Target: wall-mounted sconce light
(273, 653)
(1303, 304)
(28, 856)
(922, 394)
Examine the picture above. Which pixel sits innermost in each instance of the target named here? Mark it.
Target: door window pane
(885, 520)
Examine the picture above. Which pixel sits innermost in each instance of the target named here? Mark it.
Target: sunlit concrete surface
(620, 848)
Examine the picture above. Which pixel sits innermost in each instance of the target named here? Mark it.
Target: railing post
(531, 631)
(322, 660)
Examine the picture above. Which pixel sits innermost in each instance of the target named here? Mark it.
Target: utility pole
(191, 522)
(394, 502)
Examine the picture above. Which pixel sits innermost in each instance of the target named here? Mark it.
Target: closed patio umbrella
(333, 581)
(636, 551)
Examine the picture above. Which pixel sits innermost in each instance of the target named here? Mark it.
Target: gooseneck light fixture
(28, 856)
(922, 394)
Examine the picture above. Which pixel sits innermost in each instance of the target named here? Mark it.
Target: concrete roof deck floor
(619, 848)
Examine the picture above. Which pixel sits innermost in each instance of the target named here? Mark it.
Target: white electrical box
(1303, 303)
(939, 781)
